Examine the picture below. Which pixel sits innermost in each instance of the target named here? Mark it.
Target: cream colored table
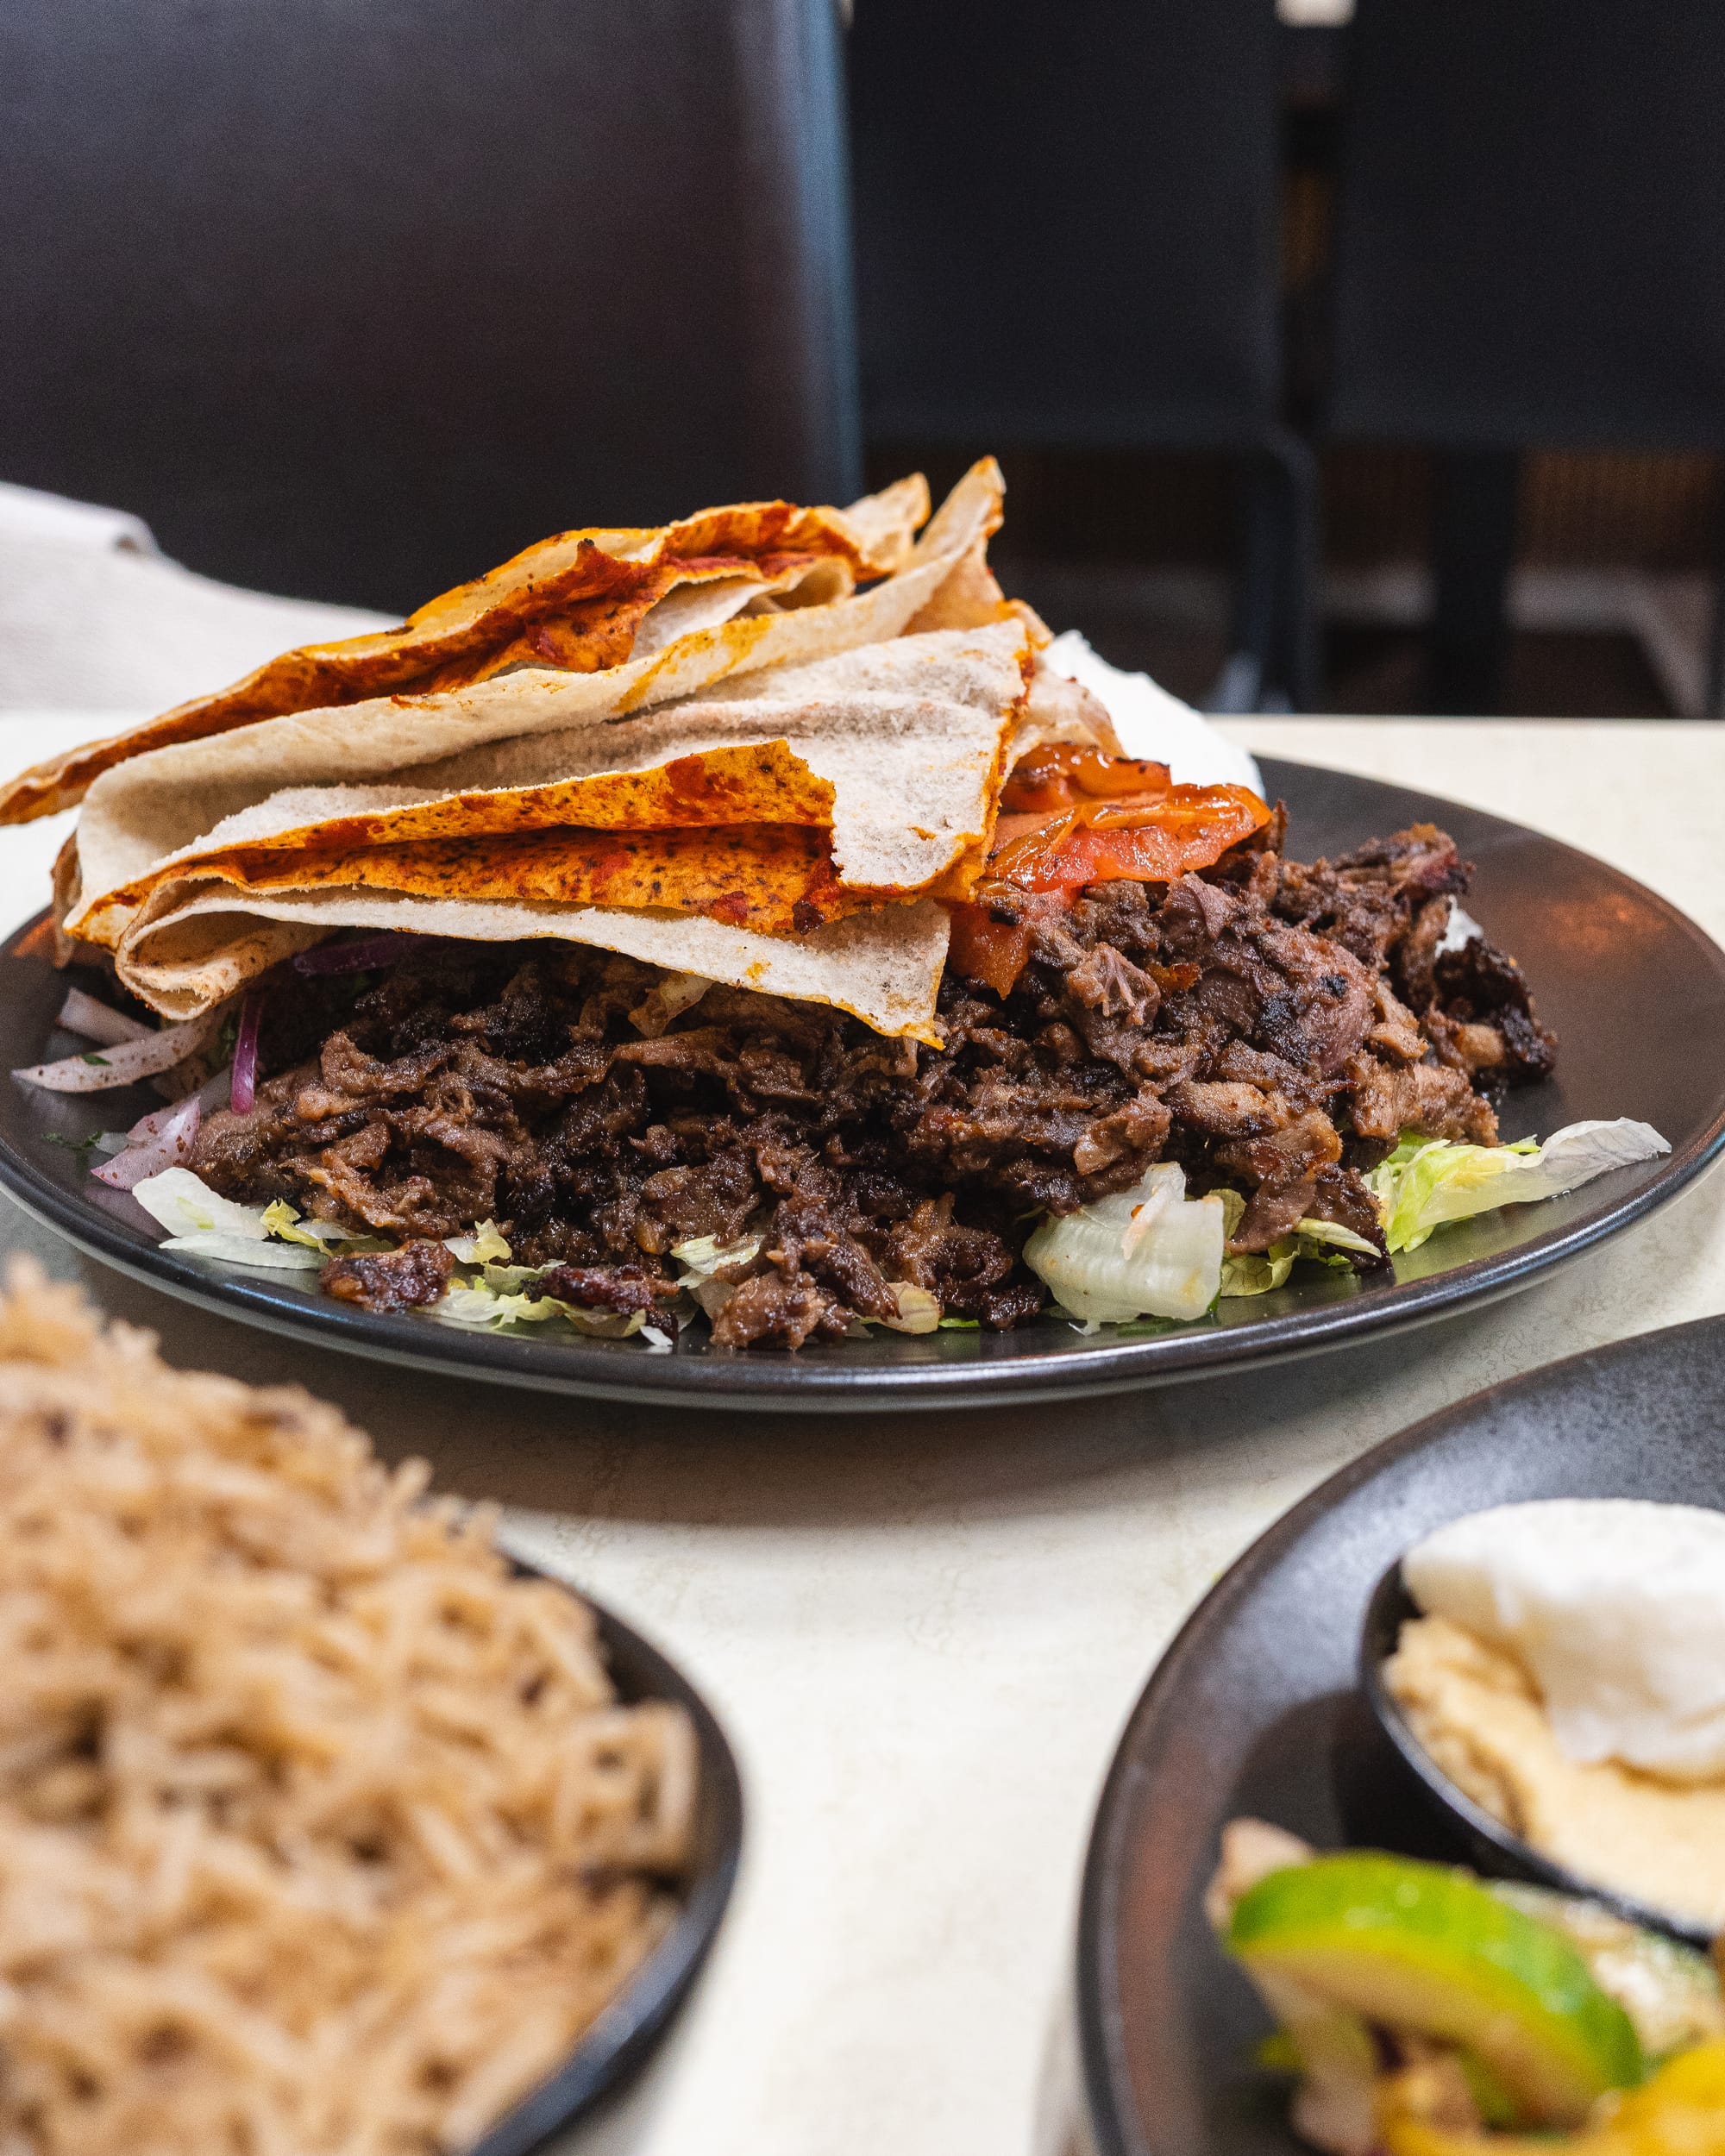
(923, 1632)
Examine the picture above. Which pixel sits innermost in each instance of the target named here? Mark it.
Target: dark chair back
(354, 300)
(1067, 224)
(1066, 220)
(1530, 241)
(1530, 252)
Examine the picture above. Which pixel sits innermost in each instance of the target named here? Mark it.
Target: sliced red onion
(387, 948)
(213, 1094)
(80, 1013)
(243, 1078)
(163, 1140)
(123, 1062)
(148, 1127)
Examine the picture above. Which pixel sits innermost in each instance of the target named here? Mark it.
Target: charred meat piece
(1370, 898)
(619, 1288)
(405, 1279)
(777, 1309)
(1340, 1196)
(1284, 1166)
(1480, 991)
(1388, 1099)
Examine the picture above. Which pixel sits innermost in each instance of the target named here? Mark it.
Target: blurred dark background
(1360, 357)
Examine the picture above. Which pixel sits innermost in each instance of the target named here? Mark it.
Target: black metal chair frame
(1526, 256)
(1069, 224)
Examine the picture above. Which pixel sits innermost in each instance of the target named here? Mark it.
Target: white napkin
(93, 615)
(1153, 722)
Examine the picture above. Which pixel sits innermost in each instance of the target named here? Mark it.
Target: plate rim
(789, 1384)
(1112, 2128)
(609, 2051)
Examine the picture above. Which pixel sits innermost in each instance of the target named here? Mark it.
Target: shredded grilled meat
(1269, 1024)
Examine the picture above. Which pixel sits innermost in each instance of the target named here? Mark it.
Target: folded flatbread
(156, 805)
(892, 754)
(883, 966)
(769, 796)
(583, 602)
(796, 800)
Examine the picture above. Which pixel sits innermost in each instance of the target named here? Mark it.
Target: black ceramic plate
(619, 2042)
(1635, 991)
(1256, 1709)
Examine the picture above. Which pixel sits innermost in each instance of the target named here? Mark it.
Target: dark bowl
(1491, 1846)
(619, 2042)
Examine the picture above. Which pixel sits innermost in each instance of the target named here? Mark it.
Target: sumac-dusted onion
(123, 1062)
(155, 1142)
(97, 1021)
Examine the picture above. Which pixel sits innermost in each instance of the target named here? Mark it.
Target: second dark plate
(1635, 991)
(1256, 1709)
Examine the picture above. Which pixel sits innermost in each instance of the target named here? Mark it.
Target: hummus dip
(1478, 1713)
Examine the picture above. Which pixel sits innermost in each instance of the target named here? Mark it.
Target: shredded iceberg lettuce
(493, 1299)
(272, 1237)
(1427, 1182)
(206, 1225)
(480, 1246)
(1424, 1182)
(481, 1303)
(327, 1235)
(1326, 1240)
(703, 1255)
(1148, 1251)
(918, 1309)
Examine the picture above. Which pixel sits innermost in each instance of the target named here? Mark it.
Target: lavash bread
(156, 805)
(600, 597)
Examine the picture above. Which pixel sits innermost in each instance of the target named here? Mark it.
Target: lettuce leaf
(918, 1309)
(703, 1255)
(1256, 1272)
(327, 1235)
(262, 1253)
(204, 1224)
(493, 1301)
(275, 1239)
(1148, 1251)
(271, 1238)
(480, 1246)
(1427, 1182)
